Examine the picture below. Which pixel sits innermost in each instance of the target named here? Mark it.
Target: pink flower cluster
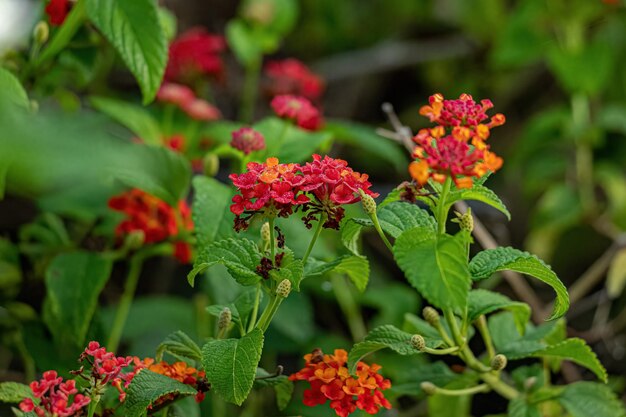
(185, 99)
(298, 109)
(247, 140)
(291, 76)
(195, 53)
(54, 397)
(276, 189)
(108, 368)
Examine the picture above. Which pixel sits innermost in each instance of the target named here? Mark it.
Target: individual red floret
(57, 11)
(298, 109)
(247, 140)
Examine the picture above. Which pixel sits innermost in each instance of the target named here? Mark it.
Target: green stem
(349, 307)
(485, 373)
(442, 207)
(581, 119)
(379, 229)
(318, 230)
(270, 220)
(268, 314)
(92, 406)
(484, 332)
(255, 310)
(134, 271)
(63, 36)
(460, 392)
(446, 351)
(250, 88)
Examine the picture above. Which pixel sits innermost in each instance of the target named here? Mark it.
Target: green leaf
(291, 269)
(136, 119)
(518, 407)
(416, 325)
(14, 392)
(382, 337)
(239, 256)
(485, 263)
(585, 399)
(479, 193)
(289, 143)
(134, 29)
(210, 210)
(242, 42)
(231, 364)
(281, 385)
(74, 281)
(357, 268)
(435, 266)
(147, 387)
(394, 218)
(437, 373)
(165, 174)
(179, 345)
(484, 302)
(11, 90)
(577, 351)
(365, 137)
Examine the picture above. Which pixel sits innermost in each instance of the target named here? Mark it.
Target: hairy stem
(318, 230)
(123, 308)
(442, 207)
(255, 310)
(484, 332)
(349, 307)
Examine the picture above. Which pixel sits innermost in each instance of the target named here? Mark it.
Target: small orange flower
(330, 380)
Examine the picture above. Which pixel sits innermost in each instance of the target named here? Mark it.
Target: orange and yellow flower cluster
(330, 380)
(457, 147)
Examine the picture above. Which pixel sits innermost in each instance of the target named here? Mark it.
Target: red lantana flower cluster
(332, 183)
(330, 380)
(155, 218)
(277, 189)
(195, 53)
(57, 11)
(184, 373)
(247, 140)
(291, 76)
(54, 397)
(457, 147)
(185, 99)
(298, 109)
(106, 368)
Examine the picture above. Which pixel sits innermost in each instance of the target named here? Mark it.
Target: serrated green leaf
(136, 119)
(437, 373)
(485, 263)
(355, 267)
(280, 383)
(147, 387)
(212, 218)
(11, 90)
(416, 325)
(365, 137)
(239, 256)
(585, 399)
(518, 407)
(484, 302)
(14, 392)
(290, 269)
(577, 351)
(231, 365)
(179, 345)
(382, 337)
(134, 29)
(74, 281)
(394, 218)
(435, 265)
(479, 193)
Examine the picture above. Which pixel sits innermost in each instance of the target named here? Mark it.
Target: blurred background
(555, 68)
